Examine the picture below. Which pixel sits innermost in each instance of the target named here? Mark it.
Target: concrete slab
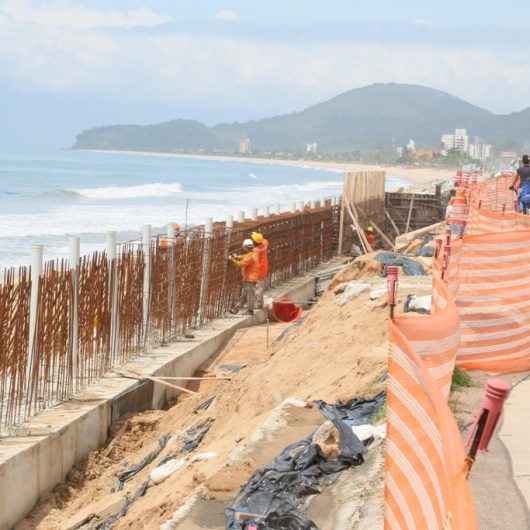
(32, 464)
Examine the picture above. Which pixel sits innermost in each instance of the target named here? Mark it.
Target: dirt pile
(336, 353)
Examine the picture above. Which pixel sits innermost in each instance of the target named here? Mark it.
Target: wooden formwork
(412, 211)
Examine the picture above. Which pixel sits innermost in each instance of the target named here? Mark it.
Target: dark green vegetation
(373, 118)
(461, 379)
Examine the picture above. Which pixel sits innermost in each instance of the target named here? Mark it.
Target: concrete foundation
(32, 464)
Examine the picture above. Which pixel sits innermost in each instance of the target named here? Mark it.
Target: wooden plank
(398, 233)
(410, 213)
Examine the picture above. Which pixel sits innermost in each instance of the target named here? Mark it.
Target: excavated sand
(336, 353)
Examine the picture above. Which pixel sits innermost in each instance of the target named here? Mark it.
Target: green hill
(374, 117)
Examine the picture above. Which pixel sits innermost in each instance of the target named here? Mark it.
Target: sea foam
(156, 189)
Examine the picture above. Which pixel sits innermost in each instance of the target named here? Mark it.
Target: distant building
(400, 151)
(411, 146)
(312, 148)
(509, 155)
(479, 150)
(245, 146)
(458, 141)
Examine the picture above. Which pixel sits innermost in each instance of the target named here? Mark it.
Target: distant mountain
(374, 117)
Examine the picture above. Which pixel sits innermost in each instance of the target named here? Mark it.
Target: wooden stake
(194, 378)
(410, 212)
(398, 233)
(141, 377)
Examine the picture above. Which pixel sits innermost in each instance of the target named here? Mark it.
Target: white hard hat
(248, 243)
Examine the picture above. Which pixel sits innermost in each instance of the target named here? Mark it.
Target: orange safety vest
(249, 264)
(262, 251)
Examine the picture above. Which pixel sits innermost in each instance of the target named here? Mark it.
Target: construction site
(382, 385)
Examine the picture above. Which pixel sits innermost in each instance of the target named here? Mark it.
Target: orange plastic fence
(493, 299)
(425, 483)
(480, 320)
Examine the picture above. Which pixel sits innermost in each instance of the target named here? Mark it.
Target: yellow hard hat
(256, 237)
(369, 229)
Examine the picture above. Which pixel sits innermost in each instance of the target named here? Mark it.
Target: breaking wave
(129, 192)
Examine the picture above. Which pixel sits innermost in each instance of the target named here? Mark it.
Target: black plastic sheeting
(130, 472)
(193, 437)
(276, 493)
(108, 523)
(409, 266)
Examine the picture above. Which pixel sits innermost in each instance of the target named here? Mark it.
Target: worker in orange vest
(261, 248)
(370, 236)
(249, 265)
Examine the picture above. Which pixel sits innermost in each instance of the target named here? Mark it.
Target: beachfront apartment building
(245, 147)
(460, 141)
(312, 148)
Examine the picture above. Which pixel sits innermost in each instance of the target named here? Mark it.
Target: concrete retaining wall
(32, 464)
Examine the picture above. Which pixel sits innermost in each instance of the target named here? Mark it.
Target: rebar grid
(90, 318)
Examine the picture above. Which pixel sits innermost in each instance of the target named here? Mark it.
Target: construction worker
(521, 185)
(261, 248)
(370, 236)
(249, 265)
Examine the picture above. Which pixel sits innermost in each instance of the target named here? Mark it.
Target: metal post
(36, 272)
(208, 231)
(146, 247)
(74, 268)
(113, 294)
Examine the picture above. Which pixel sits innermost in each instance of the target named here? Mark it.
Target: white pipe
(208, 231)
(111, 245)
(36, 272)
(146, 247)
(208, 227)
(170, 230)
(75, 254)
(114, 325)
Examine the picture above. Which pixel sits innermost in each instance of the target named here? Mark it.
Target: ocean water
(47, 198)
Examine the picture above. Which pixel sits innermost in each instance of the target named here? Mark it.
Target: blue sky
(66, 65)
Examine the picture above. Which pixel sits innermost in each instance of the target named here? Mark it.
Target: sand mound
(335, 353)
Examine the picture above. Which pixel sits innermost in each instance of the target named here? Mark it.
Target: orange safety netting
(493, 300)
(480, 320)
(425, 472)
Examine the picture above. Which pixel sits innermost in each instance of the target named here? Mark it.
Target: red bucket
(286, 311)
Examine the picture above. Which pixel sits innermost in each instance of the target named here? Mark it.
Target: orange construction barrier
(425, 478)
(493, 300)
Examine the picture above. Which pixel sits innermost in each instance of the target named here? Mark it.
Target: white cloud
(241, 73)
(79, 17)
(227, 15)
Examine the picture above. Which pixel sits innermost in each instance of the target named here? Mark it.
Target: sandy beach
(418, 177)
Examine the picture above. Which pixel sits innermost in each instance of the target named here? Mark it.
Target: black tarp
(275, 493)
